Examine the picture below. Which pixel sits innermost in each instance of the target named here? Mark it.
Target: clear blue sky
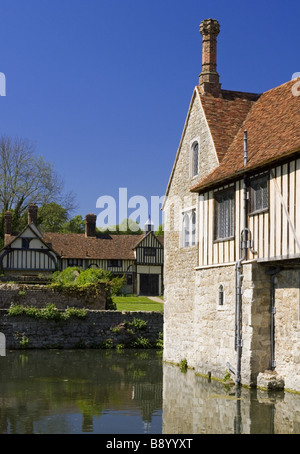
(102, 87)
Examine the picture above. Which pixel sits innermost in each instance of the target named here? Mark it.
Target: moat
(130, 392)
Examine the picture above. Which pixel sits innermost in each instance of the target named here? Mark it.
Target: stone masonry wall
(180, 262)
(99, 329)
(40, 295)
(287, 327)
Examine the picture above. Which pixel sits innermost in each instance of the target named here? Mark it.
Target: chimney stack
(7, 227)
(209, 78)
(32, 213)
(90, 225)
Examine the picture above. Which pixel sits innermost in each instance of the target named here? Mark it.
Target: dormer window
(195, 159)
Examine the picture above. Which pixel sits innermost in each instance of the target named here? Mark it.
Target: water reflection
(82, 391)
(106, 392)
(194, 405)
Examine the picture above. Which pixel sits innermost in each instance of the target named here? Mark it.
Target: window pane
(193, 232)
(195, 159)
(186, 231)
(259, 193)
(224, 214)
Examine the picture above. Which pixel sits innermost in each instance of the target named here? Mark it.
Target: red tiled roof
(103, 246)
(225, 116)
(78, 246)
(273, 127)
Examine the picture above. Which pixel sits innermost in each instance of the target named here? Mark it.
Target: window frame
(252, 191)
(189, 227)
(193, 144)
(149, 251)
(230, 191)
(114, 263)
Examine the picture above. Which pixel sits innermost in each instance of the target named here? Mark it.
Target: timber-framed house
(232, 232)
(31, 253)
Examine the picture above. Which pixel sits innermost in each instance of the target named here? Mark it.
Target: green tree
(52, 217)
(126, 227)
(160, 230)
(74, 225)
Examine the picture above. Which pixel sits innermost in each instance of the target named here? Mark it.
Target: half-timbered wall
(275, 231)
(30, 253)
(31, 260)
(127, 266)
(150, 251)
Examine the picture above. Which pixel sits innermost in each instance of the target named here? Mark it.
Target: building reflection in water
(195, 405)
(134, 392)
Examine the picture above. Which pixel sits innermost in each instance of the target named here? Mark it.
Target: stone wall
(205, 336)
(287, 327)
(98, 329)
(40, 295)
(180, 262)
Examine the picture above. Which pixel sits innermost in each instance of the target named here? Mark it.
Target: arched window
(186, 226)
(195, 159)
(193, 229)
(221, 295)
(189, 228)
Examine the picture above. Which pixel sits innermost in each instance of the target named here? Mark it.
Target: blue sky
(102, 87)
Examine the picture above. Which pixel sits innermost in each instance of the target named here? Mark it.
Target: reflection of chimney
(32, 213)
(209, 78)
(90, 225)
(7, 227)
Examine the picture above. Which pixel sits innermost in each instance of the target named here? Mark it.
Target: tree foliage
(26, 177)
(126, 227)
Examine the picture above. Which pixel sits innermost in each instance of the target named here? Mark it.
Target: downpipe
(238, 309)
(239, 276)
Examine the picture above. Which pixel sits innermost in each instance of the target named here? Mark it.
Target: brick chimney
(209, 78)
(7, 227)
(90, 225)
(32, 213)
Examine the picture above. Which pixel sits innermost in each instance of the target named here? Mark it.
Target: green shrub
(50, 312)
(183, 365)
(92, 276)
(141, 342)
(67, 276)
(160, 341)
(137, 324)
(73, 278)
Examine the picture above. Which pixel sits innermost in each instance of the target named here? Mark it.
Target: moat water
(130, 392)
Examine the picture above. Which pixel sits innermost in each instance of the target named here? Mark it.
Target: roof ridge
(273, 125)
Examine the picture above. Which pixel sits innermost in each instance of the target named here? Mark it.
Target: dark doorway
(149, 284)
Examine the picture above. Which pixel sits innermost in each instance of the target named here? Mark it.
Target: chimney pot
(209, 78)
(90, 225)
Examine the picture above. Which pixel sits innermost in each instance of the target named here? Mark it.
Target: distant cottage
(137, 257)
(232, 232)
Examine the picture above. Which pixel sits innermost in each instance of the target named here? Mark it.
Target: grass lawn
(137, 303)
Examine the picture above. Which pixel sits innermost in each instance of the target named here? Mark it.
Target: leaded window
(224, 214)
(113, 263)
(259, 198)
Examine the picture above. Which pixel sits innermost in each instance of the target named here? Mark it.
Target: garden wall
(98, 329)
(40, 295)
